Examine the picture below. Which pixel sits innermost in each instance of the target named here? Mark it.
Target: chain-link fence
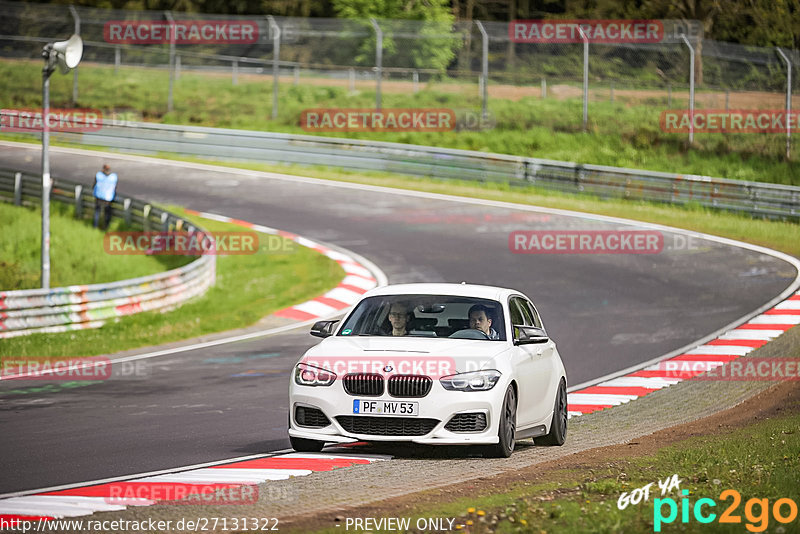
(483, 59)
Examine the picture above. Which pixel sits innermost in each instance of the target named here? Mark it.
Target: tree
(430, 41)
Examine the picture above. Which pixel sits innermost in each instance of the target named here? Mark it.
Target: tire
(306, 445)
(558, 426)
(507, 428)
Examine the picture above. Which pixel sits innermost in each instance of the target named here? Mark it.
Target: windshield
(427, 316)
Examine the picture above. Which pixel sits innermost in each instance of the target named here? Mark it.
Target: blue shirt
(105, 187)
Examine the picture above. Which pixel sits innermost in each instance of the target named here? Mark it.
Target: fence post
(352, 80)
(276, 54)
(378, 61)
(788, 102)
(117, 60)
(146, 217)
(18, 189)
(297, 74)
(691, 88)
(77, 20)
(484, 69)
(544, 88)
(126, 206)
(585, 77)
(235, 72)
(415, 79)
(177, 66)
(171, 22)
(78, 201)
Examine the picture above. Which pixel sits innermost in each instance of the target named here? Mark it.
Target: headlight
(309, 375)
(474, 381)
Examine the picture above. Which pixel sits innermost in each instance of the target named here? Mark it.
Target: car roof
(461, 290)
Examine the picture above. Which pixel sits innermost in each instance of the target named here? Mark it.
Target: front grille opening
(367, 384)
(467, 422)
(409, 385)
(310, 417)
(387, 426)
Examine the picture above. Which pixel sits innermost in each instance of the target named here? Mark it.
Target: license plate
(378, 407)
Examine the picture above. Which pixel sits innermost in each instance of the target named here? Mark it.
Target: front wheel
(306, 445)
(558, 426)
(507, 428)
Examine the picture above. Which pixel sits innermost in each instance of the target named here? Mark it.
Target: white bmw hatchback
(450, 364)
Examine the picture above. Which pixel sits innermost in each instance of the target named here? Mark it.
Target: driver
(399, 315)
(479, 320)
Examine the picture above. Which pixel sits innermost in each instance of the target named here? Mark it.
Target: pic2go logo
(757, 521)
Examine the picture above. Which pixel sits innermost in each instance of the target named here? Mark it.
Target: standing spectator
(105, 191)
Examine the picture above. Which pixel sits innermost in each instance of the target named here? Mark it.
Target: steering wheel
(469, 333)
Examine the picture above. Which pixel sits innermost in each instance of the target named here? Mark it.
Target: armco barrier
(754, 198)
(89, 306)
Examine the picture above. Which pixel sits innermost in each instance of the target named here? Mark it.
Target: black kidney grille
(387, 426)
(367, 384)
(310, 417)
(409, 386)
(467, 422)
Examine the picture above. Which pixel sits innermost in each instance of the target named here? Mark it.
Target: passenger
(399, 316)
(479, 320)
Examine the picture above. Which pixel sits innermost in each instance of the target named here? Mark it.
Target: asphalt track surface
(605, 311)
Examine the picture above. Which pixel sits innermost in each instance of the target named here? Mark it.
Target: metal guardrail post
(78, 201)
(126, 207)
(484, 70)
(235, 72)
(77, 31)
(146, 217)
(171, 22)
(276, 53)
(585, 77)
(378, 62)
(415, 80)
(691, 88)
(18, 189)
(788, 102)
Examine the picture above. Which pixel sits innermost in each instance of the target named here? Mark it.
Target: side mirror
(526, 335)
(323, 328)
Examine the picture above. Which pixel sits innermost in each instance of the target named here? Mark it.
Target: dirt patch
(779, 400)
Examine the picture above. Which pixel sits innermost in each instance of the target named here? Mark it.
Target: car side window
(537, 320)
(517, 316)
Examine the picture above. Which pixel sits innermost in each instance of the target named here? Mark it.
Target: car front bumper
(440, 405)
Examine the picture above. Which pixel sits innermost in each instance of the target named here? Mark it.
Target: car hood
(406, 355)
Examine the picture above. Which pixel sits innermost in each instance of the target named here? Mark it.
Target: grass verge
(248, 287)
(623, 133)
(72, 261)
